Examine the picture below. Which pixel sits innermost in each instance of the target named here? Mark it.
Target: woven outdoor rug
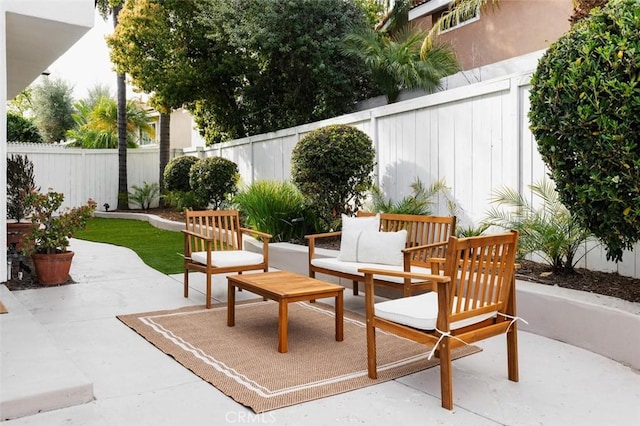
(244, 363)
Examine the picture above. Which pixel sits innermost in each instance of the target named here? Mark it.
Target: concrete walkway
(64, 347)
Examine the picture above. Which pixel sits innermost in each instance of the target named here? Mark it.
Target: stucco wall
(512, 28)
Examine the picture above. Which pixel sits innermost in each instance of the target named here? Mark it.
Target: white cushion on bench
(334, 264)
(222, 259)
(421, 312)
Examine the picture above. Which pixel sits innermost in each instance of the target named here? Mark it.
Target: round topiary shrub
(585, 115)
(176, 174)
(214, 180)
(332, 166)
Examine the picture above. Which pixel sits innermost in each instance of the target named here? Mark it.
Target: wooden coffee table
(284, 287)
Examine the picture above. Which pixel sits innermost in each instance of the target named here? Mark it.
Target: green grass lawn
(157, 248)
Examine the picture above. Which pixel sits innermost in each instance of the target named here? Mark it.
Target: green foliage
(53, 227)
(97, 127)
(242, 66)
(183, 200)
(176, 174)
(21, 129)
(585, 115)
(145, 195)
(420, 202)
(277, 208)
(20, 183)
(332, 166)
(158, 248)
(53, 105)
(549, 230)
(472, 230)
(214, 180)
(395, 63)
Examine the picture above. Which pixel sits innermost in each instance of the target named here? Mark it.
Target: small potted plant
(20, 183)
(49, 240)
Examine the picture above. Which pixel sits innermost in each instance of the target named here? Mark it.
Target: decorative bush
(21, 129)
(214, 180)
(277, 208)
(585, 115)
(420, 202)
(20, 183)
(546, 228)
(176, 174)
(143, 196)
(332, 166)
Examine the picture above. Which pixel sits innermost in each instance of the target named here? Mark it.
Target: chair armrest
(401, 274)
(312, 241)
(425, 246)
(263, 235)
(197, 235)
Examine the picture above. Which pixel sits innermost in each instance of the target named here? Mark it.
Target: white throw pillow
(384, 248)
(351, 228)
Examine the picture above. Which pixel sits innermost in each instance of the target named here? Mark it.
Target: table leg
(231, 304)
(283, 322)
(339, 317)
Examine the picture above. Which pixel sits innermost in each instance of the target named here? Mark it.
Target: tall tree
(159, 45)
(292, 68)
(52, 106)
(114, 7)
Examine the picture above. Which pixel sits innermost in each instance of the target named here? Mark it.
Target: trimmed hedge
(585, 115)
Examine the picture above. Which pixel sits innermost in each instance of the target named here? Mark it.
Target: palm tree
(105, 7)
(97, 127)
(395, 62)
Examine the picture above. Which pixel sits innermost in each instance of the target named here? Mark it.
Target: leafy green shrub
(176, 173)
(277, 208)
(181, 201)
(213, 180)
(20, 183)
(145, 195)
(549, 230)
(585, 115)
(21, 129)
(332, 166)
(420, 202)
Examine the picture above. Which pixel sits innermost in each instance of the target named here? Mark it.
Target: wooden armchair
(475, 299)
(213, 245)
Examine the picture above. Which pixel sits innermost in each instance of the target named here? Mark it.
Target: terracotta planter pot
(16, 233)
(52, 269)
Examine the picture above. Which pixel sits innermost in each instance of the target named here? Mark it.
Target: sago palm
(547, 229)
(395, 63)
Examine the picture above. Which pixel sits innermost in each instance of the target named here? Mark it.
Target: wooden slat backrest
(221, 226)
(482, 271)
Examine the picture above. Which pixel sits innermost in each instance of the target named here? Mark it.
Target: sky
(87, 62)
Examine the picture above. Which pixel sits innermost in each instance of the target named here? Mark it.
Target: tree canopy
(242, 66)
(52, 105)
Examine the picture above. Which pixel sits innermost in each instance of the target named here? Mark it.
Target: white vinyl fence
(87, 173)
(474, 137)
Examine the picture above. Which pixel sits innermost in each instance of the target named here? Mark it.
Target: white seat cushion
(334, 264)
(223, 259)
(421, 312)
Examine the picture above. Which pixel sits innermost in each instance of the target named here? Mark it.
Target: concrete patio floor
(64, 346)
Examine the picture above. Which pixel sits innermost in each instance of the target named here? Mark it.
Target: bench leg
(355, 288)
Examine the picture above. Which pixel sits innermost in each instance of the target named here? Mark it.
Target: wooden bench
(427, 237)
